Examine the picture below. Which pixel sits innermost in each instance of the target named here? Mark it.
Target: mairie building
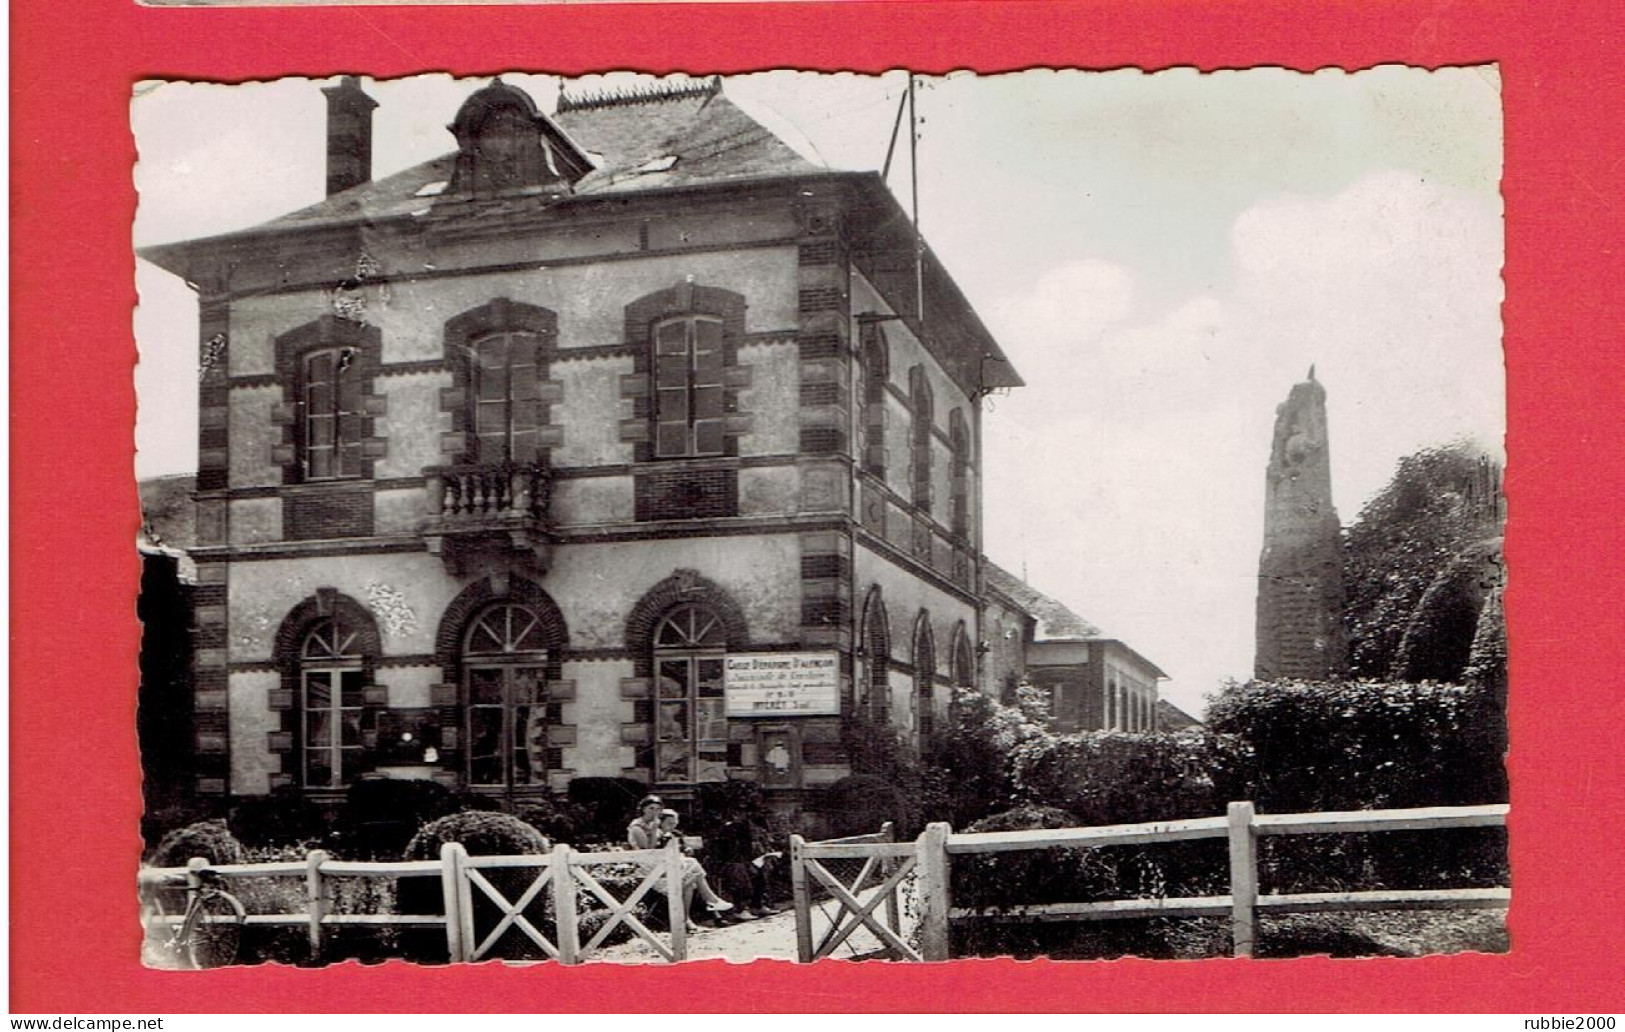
(618, 442)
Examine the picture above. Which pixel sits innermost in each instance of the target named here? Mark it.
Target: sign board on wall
(783, 684)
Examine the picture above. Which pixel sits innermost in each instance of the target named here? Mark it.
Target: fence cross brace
(825, 946)
(622, 912)
(862, 912)
(513, 913)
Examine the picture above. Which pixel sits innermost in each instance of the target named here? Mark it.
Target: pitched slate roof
(637, 143)
(1172, 718)
(663, 138)
(1055, 621)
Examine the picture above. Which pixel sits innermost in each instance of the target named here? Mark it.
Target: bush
(1000, 881)
(601, 808)
(283, 818)
(559, 820)
(889, 782)
(482, 833)
(210, 839)
(972, 756)
(1114, 777)
(157, 823)
(381, 814)
(861, 803)
(1302, 746)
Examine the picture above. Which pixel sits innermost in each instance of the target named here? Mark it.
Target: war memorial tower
(1300, 573)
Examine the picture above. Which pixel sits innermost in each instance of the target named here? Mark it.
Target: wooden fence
(883, 864)
(561, 872)
(929, 858)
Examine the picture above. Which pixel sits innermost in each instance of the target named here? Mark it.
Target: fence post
(932, 849)
(449, 877)
(1243, 879)
(465, 905)
(888, 833)
(567, 934)
(800, 899)
(676, 913)
(315, 904)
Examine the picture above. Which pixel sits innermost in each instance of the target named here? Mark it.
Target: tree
(1419, 564)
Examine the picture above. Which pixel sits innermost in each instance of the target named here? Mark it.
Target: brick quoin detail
(682, 586)
(448, 641)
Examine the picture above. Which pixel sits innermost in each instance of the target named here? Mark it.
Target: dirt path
(764, 938)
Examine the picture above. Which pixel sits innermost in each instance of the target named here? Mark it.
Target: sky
(1161, 256)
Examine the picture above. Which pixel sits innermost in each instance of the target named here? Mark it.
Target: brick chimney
(349, 135)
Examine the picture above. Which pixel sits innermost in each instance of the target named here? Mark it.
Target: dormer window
(505, 146)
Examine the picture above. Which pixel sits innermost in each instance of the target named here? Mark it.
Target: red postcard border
(75, 776)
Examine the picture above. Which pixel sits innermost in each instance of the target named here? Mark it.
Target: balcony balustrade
(488, 510)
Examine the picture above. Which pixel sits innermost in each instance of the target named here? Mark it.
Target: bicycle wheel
(214, 928)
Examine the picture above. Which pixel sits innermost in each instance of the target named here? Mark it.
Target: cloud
(1142, 443)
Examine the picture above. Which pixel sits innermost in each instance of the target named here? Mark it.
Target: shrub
(603, 807)
(861, 803)
(889, 782)
(157, 823)
(1000, 881)
(1303, 746)
(482, 833)
(972, 756)
(280, 819)
(559, 820)
(380, 815)
(210, 839)
(1113, 777)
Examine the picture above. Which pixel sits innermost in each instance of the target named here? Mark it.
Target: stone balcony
(496, 512)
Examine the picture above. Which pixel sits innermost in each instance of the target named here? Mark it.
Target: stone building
(1300, 631)
(610, 444)
(1094, 682)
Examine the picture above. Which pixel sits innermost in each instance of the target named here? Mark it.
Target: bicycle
(210, 930)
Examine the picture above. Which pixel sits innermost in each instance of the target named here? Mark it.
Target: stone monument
(1300, 573)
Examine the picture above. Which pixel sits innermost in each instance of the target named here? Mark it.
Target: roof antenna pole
(914, 197)
(897, 123)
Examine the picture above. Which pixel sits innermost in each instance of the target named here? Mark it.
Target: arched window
(691, 722)
(876, 374)
(331, 699)
(959, 435)
(690, 392)
(924, 410)
(504, 680)
(964, 659)
(925, 668)
(874, 693)
(505, 406)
